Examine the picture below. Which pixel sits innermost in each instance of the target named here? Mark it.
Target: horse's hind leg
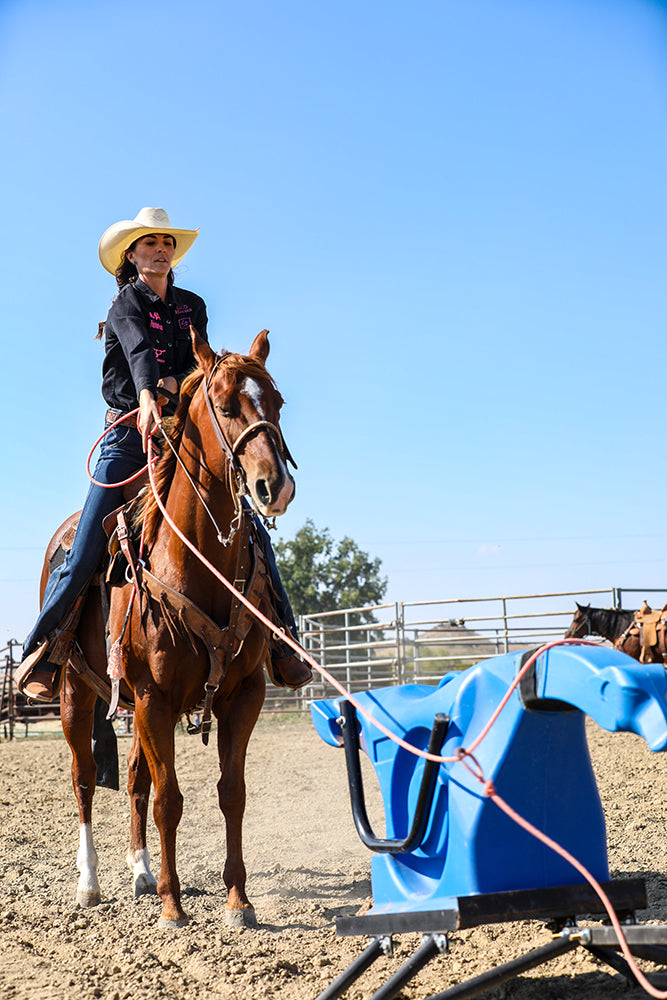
(236, 721)
(139, 788)
(77, 704)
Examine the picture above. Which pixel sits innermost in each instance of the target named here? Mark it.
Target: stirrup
(30, 661)
(30, 666)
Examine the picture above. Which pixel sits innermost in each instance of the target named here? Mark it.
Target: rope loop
(110, 486)
(464, 756)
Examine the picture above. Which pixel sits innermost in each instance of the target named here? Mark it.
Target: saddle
(651, 627)
(181, 616)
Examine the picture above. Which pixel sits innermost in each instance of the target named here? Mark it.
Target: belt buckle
(112, 416)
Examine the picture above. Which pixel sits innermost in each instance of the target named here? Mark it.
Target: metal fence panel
(418, 642)
(404, 642)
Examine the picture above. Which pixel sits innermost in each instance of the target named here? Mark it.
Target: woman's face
(152, 255)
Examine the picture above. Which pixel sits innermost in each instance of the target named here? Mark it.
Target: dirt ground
(306, 866)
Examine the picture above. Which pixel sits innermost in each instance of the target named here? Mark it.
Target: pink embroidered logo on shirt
(155, 321)
(159, 351)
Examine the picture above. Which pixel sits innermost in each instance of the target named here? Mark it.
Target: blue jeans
(282, 604)
(120, 457)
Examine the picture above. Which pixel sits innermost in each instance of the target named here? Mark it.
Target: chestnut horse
(221, 447)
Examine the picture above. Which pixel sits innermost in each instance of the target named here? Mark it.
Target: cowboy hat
(122, 235)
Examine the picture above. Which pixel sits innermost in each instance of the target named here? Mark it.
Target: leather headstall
(231, 450)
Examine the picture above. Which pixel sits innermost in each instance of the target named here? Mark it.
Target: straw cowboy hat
(122, 235)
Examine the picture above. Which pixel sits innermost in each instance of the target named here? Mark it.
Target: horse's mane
(148, 513)
(610, 623)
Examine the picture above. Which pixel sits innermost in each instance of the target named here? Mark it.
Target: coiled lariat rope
(109, 486)
(463, 755)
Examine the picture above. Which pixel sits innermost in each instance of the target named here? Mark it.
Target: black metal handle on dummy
(426, 790)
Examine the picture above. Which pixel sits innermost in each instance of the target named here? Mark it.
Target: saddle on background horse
(651, 628)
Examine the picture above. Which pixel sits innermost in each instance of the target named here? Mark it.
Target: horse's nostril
(263, 494)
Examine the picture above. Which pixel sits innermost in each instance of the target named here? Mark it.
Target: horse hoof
(179, 922)
(145, 884)
(89, 898)
(242, 918)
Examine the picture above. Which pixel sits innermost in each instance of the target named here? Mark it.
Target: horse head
(243, 407)
(580, 625)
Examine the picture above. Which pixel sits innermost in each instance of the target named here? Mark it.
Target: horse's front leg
(155, 728)
(139, 789)
(77, 705)
(236, 721)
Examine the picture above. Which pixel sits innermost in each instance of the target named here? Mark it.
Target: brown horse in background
(184, 637)
(637, 633)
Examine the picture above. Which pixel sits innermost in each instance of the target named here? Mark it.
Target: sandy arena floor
(306, 866)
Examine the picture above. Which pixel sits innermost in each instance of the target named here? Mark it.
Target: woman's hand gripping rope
(110, 486)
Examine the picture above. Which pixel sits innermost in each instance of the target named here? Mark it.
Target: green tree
(320, 575)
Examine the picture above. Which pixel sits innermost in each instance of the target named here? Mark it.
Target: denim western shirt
(147, 339)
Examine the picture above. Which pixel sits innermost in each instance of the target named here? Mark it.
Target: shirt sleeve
(129, 327)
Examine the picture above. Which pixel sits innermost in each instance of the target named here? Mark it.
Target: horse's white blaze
(254, 392)
(142, 876)
(287, 492)
(88, 889)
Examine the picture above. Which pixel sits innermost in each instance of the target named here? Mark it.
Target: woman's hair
(126, 272)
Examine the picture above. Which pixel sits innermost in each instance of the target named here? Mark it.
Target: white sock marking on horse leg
(143, 878)
(253, 390)
(88, 890)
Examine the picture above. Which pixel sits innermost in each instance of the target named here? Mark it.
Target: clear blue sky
(450, 214)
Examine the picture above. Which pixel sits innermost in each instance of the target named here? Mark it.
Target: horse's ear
(205, 355)
(260, 347)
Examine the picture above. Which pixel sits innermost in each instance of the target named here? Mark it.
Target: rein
(225, 540)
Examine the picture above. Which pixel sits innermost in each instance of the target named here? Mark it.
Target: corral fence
(418, 642)
(388, 644)
(16, 713)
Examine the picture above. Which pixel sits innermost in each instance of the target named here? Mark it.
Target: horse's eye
(225, 413)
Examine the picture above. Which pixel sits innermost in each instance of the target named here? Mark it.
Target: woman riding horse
(147, 349)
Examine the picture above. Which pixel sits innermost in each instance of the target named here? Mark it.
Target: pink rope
(461, 754)
(110, 486)
(507, 809)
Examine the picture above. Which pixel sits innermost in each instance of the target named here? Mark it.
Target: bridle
(238, 486)
(576, 632)
(231, 450)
